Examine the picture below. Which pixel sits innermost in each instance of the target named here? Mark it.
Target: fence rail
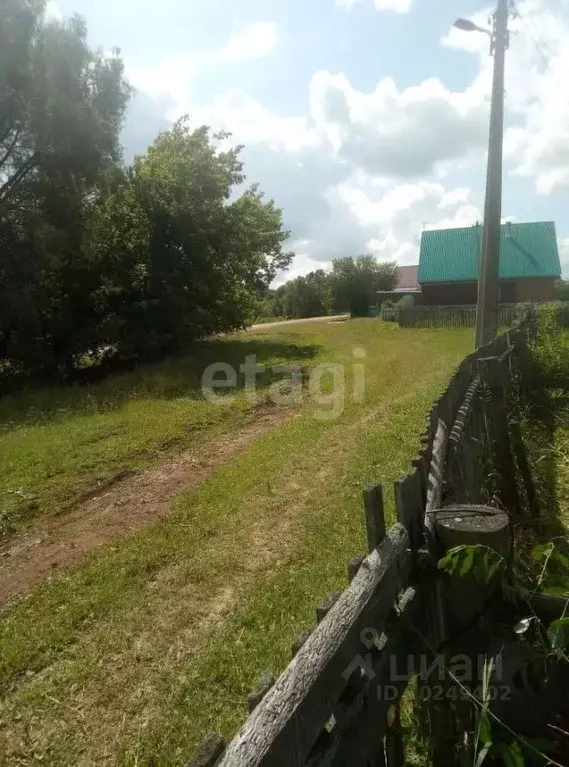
(329, 707)
(447, 316)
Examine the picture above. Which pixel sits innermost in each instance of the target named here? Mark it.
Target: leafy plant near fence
(543, 660)
(534, 588)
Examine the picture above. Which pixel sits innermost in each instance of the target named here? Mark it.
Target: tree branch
(8, 187)
(10, 148)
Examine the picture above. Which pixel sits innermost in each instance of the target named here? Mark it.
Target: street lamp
(469, 26)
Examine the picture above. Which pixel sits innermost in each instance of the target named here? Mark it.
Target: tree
(306, 296)
(562, 290)
(62, 107)
(97, 256)
(62, 103)
(355, 282)
(182, 257)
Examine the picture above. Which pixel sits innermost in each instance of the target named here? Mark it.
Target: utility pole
(488, 274)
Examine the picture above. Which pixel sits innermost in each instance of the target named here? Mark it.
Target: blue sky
(365, 120)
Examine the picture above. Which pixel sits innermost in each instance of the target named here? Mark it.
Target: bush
(407, 302)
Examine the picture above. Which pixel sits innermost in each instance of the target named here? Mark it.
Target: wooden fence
(447, 316)
(338, 702)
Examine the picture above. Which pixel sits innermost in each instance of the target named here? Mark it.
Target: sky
(365, 120)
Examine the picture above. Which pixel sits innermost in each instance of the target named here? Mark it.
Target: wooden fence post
(497, 423)
(210, 752)
(409, 506)
(471, 525)
(465, 599)
(394, 747)
(375, 516)
(256, 696)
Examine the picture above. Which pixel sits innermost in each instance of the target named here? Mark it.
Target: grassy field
(133, 656)
(58, 444)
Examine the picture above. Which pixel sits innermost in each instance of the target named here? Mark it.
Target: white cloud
(251, 123)
(563, 243)
(252, 42)
(536, 141)
(399, 133)
(367, 171)
(302, 264)
(172, 79)
(170, 82)
(364, 217)
(52, 11)
(335, 202)
(399, 6)
(400, 213)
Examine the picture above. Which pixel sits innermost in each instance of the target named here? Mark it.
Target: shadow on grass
(178, 375)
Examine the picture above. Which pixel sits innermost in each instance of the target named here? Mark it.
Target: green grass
(59, 443)
(155, 640)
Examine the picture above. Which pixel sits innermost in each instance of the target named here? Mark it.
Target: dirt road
(127, 506)
(333, 318)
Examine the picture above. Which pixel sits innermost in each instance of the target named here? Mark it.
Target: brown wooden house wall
(511, 291)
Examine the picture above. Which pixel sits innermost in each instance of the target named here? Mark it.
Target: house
(529, 264)
(405, 285)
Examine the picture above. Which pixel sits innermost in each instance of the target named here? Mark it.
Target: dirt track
(334, 318)
(130, 504)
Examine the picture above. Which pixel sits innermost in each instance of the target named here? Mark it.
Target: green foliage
(307, 296)
(483, 563)
(562, 290)
(355, 282)
(101, 260)
(351, 286)
(189, 262)
(550, 352)
(407, 302)
(62, 107)
(545, 649)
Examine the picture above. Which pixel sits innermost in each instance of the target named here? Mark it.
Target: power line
(540, 45)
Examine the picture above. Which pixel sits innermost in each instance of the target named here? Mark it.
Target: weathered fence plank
(446, 316)
(375, 515)
(354, 565)
(362, 727)
(323, 609)
(284, 727)
(300, 641)
(209, 752)
(435, 486)
(409, 506)
(497, 424)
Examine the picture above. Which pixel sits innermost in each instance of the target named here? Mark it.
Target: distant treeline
(350, 286)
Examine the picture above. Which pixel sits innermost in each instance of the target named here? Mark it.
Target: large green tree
(182, 252)
(95, 256)
(62, 105)
(355, 282)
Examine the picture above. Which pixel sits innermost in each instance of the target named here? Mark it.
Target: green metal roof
(452, 255)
